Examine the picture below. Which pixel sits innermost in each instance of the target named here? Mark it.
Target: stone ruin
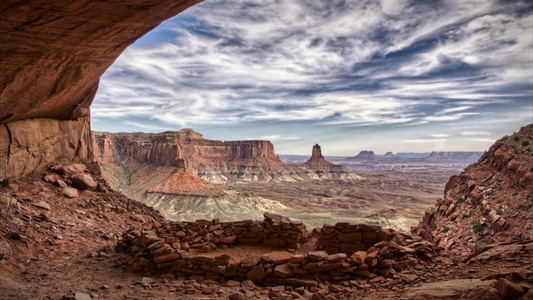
(342, 252)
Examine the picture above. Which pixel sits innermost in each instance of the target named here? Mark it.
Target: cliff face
(32, 144)
(491, 201)
(215, 161)
(52, 56)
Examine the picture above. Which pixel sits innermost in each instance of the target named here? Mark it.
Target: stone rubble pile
(174, 250)
(71, 178)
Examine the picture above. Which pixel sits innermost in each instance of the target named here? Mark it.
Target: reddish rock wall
(27, 145)
(250, 160)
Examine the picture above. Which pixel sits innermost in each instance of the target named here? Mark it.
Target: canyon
(187, 177)
(66, 233)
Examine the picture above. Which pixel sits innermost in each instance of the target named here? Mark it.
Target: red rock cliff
(188, 148)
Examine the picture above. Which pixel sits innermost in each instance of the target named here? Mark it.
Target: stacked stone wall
(187, 250)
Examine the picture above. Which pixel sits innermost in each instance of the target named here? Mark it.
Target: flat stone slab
(446, 289)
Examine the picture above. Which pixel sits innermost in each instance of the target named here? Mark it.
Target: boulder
(256, 273)
(359, 257)
(509, 289)
(70, 192)
(83, 181)
(483, 293)
(316, 255)
(277, 257)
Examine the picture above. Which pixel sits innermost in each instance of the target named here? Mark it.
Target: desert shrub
(477, 227)
(445, 229)
(516, 138)
(461, 199)
(525, 143)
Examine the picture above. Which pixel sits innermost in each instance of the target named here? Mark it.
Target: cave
(53, 55)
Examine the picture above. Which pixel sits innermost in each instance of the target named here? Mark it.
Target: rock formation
(365, 155)
(32, 144)
(317, 160)
(53, 54)
(389, 155)
(214, 161)
(455, 156)
(491, 201)
(322, 168)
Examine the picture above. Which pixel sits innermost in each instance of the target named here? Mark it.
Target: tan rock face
(31, 144)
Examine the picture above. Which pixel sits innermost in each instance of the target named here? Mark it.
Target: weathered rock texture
(169, 249)
(491, 201)
(32, 144)
(53, 54)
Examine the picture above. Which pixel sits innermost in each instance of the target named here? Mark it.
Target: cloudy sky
(351, 75)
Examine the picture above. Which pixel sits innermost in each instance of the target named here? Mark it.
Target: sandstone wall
(27, 145)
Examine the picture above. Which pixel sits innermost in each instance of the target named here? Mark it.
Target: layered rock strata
(167, 249)
(491, 201)
(213, 161)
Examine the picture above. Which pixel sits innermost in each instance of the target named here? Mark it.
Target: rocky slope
(54, 247)
(491, 201)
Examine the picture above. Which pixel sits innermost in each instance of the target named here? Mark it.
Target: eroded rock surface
(32, 144)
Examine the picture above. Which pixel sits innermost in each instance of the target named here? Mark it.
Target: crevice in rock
(10, 142)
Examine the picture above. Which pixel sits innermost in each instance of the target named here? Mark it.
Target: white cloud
(473, 133)
(484, 140)
(277, 137)
(234, 62)
(440, 135)
(424, 141)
